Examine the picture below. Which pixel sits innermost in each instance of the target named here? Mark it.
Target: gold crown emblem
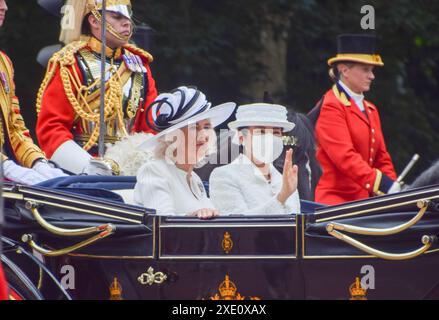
(357, 291)
(115, 290)
(228, 291)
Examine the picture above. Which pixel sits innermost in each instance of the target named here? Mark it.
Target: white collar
(243, 159)
(358, 97)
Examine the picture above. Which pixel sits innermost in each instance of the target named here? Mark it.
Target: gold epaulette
(8, 65)
(64, 57)
(136, 50)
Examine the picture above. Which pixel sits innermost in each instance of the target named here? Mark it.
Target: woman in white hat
(185, 122)
(251, 184)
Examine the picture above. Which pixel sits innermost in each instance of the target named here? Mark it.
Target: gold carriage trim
(356, 290)
(115, 290)
(227, 243)
(229, 291)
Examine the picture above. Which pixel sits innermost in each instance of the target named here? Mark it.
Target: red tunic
(55, 124)
(351, 150)
(18, 144)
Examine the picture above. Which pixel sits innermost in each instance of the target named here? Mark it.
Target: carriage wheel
(19, 285)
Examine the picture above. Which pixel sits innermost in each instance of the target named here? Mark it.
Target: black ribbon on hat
(163, 120)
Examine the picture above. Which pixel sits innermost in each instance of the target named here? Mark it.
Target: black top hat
(359, 48)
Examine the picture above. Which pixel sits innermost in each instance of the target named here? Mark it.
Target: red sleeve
(55, 120)
(141, 125)
(383, 160)
(335, 140)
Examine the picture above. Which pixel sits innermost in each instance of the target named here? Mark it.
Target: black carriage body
(237, 257)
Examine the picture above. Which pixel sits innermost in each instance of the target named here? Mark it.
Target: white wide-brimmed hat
(180, 108)
(262, 115)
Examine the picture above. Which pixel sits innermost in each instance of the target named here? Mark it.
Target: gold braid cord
(140, 52)
(65, 59)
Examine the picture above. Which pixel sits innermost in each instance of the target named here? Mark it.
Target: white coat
(241, 188)
(164, 187)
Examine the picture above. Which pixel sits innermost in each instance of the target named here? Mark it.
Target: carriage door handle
(151, 277)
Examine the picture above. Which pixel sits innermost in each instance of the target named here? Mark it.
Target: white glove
(20, 174)
(71, 157)
(395, 188)
(47, 171)
(98, 168)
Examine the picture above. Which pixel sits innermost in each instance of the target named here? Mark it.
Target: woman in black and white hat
(251, 185)
(185, 122)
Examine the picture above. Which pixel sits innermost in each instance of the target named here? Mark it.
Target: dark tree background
(237, 49)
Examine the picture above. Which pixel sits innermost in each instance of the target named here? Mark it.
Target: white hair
(168, 141)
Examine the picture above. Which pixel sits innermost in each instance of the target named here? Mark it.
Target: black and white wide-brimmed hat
(182, 107)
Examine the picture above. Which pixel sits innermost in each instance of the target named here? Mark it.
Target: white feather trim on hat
(127, 154)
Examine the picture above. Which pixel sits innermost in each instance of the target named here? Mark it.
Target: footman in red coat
(351, 146)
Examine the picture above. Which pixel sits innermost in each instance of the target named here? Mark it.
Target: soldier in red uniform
(69, 98)
(22, 160)
(351, 146)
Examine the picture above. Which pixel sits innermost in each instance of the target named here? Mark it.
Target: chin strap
(110, 28)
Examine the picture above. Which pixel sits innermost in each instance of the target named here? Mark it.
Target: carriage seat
(110, 187)
(121, 188)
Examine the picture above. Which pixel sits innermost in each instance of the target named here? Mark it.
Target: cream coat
(240, 188)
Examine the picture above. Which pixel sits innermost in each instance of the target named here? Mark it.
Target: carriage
(75, 238)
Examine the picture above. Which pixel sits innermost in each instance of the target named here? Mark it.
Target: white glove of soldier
(47, 171)
(98, 167)
(71, 157)
(395, 188)
(20, 174)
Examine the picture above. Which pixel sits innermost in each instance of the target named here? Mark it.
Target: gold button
(367, 186)
(373, 131)
(370, 111)
(372, 150)
(373, 140)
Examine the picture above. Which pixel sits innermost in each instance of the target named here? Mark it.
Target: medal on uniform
(130, 63)
(142, 67)
(138, 65)
(4, 80)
